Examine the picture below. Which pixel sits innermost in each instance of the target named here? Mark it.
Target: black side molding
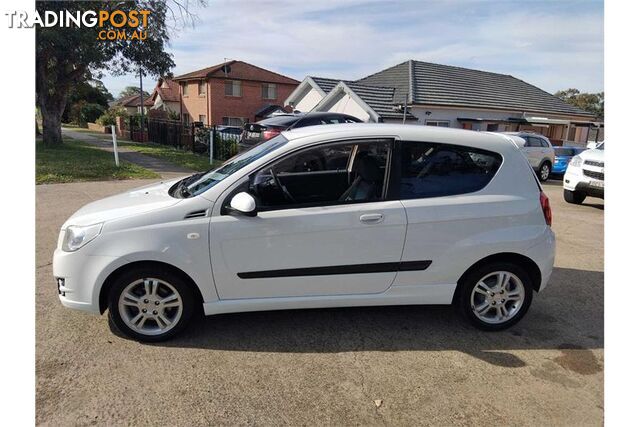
(385, 267)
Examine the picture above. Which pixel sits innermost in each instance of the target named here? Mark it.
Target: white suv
(538, 151)
(327, 216)
(585, 176)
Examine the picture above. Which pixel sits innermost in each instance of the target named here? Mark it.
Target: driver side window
(326, 175)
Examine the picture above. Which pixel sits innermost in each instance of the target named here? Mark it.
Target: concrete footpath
(165, 169)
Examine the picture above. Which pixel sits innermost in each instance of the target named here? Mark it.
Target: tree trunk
(51, 96)
(51, 125)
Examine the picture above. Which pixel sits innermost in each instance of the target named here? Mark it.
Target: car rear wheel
(544, 172)
(495, 296)
(574, 197)
(150, 305)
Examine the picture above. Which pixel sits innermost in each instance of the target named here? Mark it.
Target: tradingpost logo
(110, 25)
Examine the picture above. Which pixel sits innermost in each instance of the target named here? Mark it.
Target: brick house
(231, 93)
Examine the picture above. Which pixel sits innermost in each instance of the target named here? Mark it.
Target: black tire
(184, 290)
(542, 175)
(470, 280)
(574, 197)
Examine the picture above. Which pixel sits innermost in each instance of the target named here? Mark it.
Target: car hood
(134, 202)
(593, 154)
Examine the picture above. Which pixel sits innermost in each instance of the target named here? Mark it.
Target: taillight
(546, 208)
(270, 133)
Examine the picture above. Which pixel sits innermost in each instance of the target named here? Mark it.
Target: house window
(268, 91)
(202, 87)
(202, 118)
(185, 88)
(439, 123)
(492, 127)
(185, 118)
(232, 88)
(233, 121)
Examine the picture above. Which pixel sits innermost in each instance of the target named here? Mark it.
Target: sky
(552, 44)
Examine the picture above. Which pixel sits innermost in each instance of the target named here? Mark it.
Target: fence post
(193, 136)
(211, 139)
(115, 145)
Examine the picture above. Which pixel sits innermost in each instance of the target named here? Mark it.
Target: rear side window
(436, 170)
(533, 142)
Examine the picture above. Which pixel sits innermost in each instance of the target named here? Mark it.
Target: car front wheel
(496, 296)
(150, 304)
(574, 197)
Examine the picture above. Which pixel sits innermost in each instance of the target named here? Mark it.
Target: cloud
(553, 45)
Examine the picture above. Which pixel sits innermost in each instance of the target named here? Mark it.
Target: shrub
(173, 115)
(109, 116)
(90, 112)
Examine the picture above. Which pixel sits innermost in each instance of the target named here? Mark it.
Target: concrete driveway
(330, 366)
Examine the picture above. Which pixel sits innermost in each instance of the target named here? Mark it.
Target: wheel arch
(108, 282)
(523, 261)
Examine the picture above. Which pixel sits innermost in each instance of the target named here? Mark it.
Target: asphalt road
(331, 366)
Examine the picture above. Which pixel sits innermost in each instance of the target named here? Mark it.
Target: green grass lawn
(76, 161)
(178, 157)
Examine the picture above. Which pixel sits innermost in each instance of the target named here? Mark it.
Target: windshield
(600, 147)
(214, 176)
(564, 151)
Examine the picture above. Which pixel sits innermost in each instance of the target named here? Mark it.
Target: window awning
(482, 119)
(546, 121)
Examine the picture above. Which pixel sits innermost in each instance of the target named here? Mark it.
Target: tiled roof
(129, 101)
(435, 84)
(325, 84)
(380, 99)
(238, 70)
(170, 93)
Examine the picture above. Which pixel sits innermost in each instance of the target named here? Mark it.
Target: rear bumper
(543, 254)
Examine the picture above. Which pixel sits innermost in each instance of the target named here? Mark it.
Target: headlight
(576, 161)
(76, 237)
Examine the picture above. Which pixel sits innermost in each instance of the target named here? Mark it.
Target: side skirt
(395, 295)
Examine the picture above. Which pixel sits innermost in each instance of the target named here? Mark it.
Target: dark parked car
(255, 133)
(563, 157)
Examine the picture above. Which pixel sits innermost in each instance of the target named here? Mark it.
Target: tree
(67, 56)
(92, 92)
(132, 90)
(591, 102)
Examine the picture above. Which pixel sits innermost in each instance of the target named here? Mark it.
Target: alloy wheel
(150, 306)
(497, 297)
(544, 172)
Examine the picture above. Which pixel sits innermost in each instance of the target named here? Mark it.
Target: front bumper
(575, 180)
(79, 278)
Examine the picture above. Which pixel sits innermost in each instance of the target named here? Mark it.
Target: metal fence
(193, 137)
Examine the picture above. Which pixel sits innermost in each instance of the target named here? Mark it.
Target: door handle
(371, 218)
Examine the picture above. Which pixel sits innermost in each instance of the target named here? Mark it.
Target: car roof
(290, 118)
(525, 133)
(492, 141)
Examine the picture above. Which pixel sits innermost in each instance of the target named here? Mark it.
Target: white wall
(309, 100)
(452, 115)
(347, 105)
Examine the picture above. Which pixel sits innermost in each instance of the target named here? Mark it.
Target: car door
(438, 185)
(533, 150)
(321, 245)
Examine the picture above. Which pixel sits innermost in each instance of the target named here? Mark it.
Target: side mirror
(243, 204)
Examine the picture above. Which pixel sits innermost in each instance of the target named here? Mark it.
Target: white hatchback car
(328, 216)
